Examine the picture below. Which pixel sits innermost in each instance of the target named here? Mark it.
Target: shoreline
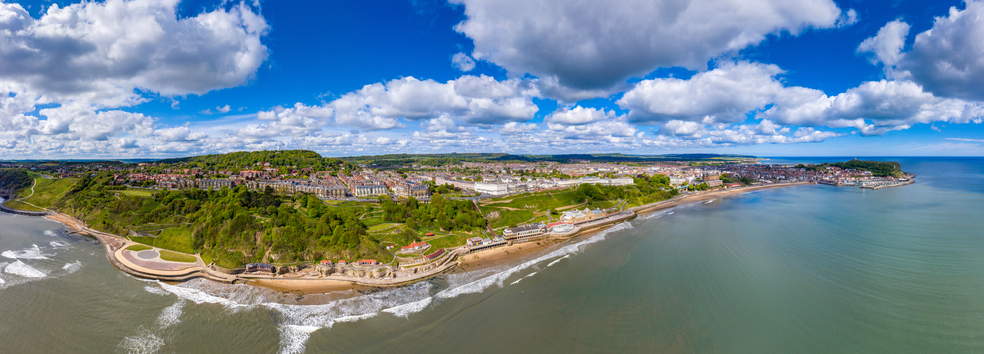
(499, 256)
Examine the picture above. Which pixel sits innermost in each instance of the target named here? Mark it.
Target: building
(260, 268)
(492, 188)
(370, 190)
(326, 262)
(410, 189)
(416, 246)
(368, 262)
(525, 232)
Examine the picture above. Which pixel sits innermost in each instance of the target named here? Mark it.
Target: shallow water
(801, 269)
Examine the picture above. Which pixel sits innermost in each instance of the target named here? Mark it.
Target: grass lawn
(13, 204)
(177, 239)
(47, 191)
(177, 257)
(508, 217)
(450, 241)
(138, 192)
(138, 248)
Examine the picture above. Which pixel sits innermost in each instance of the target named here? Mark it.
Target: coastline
(116, 245)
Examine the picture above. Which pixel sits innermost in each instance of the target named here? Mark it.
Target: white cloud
(463, 62)
(886, 46)
(99, 52)
(579, 115)
(517, 128)
(724, 94)
(223, 109)
(948, 59)
(468, 99)
(848, 18)
(597, 44)
(887, 105)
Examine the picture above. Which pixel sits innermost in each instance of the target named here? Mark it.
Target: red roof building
(368, 262)
(415, 246)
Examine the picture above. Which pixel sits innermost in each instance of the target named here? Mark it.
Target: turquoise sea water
(800, 269)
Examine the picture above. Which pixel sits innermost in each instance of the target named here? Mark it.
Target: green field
(138, 248)
(138, 192)
(177, 239)
(47, 191)
(177, 257)
(13, 204)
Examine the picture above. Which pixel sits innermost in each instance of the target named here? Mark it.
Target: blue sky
(157, 78)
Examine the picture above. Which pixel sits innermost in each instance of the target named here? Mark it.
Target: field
(138, 192)
(177, 257)
(47, 190)
(138, 248)
(177, 239)
(13, 204)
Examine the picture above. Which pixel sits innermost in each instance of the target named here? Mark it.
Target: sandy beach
(303, 286)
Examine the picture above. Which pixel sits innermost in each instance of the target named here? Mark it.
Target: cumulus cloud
(468, 99)
(579, 115)
(463, 62)
(99, 52)
(873, 108)
(948, 59)
(517, 128)
(724, 94)
(597, 44)
(886, 46)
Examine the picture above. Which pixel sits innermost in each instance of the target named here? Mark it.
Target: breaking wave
(170, 316)
(33, 252)
(73, 267)
(56, 244)
(20, 269)
(144, 342)
(50, 233)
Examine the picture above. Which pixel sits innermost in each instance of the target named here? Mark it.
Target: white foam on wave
(557, 260)
(33, 252)
(50, 233)
(171, 315)
(293, 338)
(409, 308)
(144, 342)
(1, 281)
(297, 322)
(73, 267)
(499, 278)
(156, 290)
(20, 269)
(57, 244)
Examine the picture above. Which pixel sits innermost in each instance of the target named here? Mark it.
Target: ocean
(798, 269)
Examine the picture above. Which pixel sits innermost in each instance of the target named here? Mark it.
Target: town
(515, 202)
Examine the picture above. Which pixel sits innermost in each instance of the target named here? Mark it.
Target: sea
(809, 269)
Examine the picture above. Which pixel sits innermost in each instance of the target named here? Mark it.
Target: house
(365, 262)
(342, 262)
(416, 246)
(326, 262)
(474, 241)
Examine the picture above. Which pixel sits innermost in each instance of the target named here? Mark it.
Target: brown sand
(303, 286)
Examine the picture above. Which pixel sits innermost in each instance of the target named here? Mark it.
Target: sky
(165, 78)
